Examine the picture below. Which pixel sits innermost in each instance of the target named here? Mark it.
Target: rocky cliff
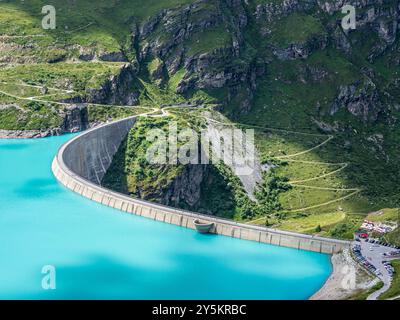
(285, 64)
(227, 46)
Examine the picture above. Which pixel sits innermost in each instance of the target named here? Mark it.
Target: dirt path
(35, 98)
(296, 183)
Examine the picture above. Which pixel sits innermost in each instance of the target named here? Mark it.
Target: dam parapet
(82, 162)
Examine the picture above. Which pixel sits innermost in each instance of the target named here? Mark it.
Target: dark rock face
(75, 119)
(207, 76)
(205, 70)
(341, 41)
(301, 50)
(270, 11)
(186, 187)
(360, 99)
(183, 191)
(117, 90)
(165, 35)
(237, 65)
(224, 68)
(113, 57)
(90, 54)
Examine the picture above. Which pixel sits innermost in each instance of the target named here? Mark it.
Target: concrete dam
(81, 163)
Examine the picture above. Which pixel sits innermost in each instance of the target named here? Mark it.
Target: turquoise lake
(101, 253)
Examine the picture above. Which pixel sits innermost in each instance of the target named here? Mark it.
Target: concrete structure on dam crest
(82, 162)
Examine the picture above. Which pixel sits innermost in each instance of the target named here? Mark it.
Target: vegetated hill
(283, 64)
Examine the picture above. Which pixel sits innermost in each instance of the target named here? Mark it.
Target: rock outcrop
(117, 90)
(360, 99)
(185, 189)
(75, 119)
(301, 50)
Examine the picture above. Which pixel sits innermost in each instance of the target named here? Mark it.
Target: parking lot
(376, 257)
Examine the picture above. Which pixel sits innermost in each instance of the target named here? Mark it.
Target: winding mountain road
(166, 111)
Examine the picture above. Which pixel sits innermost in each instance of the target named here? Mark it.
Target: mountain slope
(329, 99)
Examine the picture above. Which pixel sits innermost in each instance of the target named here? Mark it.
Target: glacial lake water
(101, 253)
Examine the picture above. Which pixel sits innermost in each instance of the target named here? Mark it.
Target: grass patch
(30, 116)
(311, 223)
(110, 113)
(394, 289)
(296, 28)
(67, 76)
(208, 40)
(364, 294)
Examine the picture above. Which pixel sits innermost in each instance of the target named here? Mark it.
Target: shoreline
(45, 133)
(98, 218)
(29, 134)
(332, 284)
(336, 287)
(34, 134)
(82, 161)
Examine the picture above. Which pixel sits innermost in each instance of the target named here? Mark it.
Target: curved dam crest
(82, 162)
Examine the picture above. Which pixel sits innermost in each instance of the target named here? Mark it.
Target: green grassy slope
(340, 164)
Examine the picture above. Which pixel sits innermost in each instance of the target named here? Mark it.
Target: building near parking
(379, 227)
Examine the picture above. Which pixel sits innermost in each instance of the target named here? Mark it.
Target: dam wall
(81, 163)
(91, 154)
